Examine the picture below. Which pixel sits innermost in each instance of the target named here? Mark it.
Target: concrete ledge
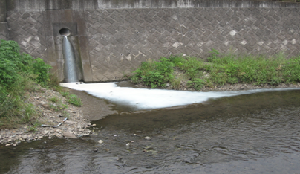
(42, 5)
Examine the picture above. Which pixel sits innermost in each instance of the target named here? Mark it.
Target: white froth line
(144, 98)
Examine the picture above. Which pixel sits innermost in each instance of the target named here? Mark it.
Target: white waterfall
(69, 61)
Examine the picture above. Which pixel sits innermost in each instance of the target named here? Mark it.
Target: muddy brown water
(255, 133)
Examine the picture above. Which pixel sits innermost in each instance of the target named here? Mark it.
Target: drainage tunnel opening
(64, 32)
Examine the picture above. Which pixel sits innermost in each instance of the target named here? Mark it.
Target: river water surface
(247, 133)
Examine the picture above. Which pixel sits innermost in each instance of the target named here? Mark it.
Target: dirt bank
(93, 108)
(71, 122)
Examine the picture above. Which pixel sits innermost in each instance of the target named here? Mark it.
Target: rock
(68, 135)
(147, 138)
(70, 122)
(93, 125)
(100, 141)
(44, 104)
(7, 145)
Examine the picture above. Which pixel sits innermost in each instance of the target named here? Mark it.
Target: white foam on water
(144, 98)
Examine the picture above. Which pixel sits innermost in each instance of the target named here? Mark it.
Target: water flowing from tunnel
(69, 61)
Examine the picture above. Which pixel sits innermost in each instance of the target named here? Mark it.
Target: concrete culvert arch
(64, 32)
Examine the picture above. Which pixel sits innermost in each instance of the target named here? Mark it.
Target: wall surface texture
(111, 38)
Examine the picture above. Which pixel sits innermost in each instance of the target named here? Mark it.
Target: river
(246, 133)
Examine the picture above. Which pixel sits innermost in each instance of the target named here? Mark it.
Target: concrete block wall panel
(2, 11)
(3, 31)
(126, 37)
(27, 29)
(112, 38)
(3, 23)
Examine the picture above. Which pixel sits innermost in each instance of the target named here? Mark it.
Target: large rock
(68, 135)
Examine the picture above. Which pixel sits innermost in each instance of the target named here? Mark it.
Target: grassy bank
(217, 70)
(20, 75)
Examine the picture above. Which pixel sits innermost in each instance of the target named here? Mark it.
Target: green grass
(74, 100)
(54, 99)
(71, 98)
(218, 70)
(33, 127)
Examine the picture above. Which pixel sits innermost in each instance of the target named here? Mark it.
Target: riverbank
(217, 71)
(72, 122)
(227, 87)
(75, 121)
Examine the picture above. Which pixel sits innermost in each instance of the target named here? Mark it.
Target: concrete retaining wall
(112, 38)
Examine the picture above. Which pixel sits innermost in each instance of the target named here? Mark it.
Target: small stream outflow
(69, 61)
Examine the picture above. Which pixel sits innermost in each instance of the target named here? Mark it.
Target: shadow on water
(254, 133)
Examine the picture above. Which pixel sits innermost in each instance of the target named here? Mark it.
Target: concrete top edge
(42, 5)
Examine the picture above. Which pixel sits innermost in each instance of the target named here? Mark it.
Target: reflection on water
(255, 133)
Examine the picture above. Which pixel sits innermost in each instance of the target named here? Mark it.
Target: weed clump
(71, 98)
(154, 74)
(218, 70)
(74, 100)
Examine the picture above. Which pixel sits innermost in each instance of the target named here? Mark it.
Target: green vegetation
(218, 70)
(154, 74)
(53, 99)
(71, 98)
(18, 74)
(21, 74)
(74, 100)
(34, 127)
(58, 106)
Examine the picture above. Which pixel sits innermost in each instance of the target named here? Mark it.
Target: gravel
(68, 124)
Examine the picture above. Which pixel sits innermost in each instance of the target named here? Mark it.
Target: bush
(41, 69)
(14, 65)
(291, 70)
(18, 72)
(154, 74)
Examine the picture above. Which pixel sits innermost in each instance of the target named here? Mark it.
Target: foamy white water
(143, 98)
